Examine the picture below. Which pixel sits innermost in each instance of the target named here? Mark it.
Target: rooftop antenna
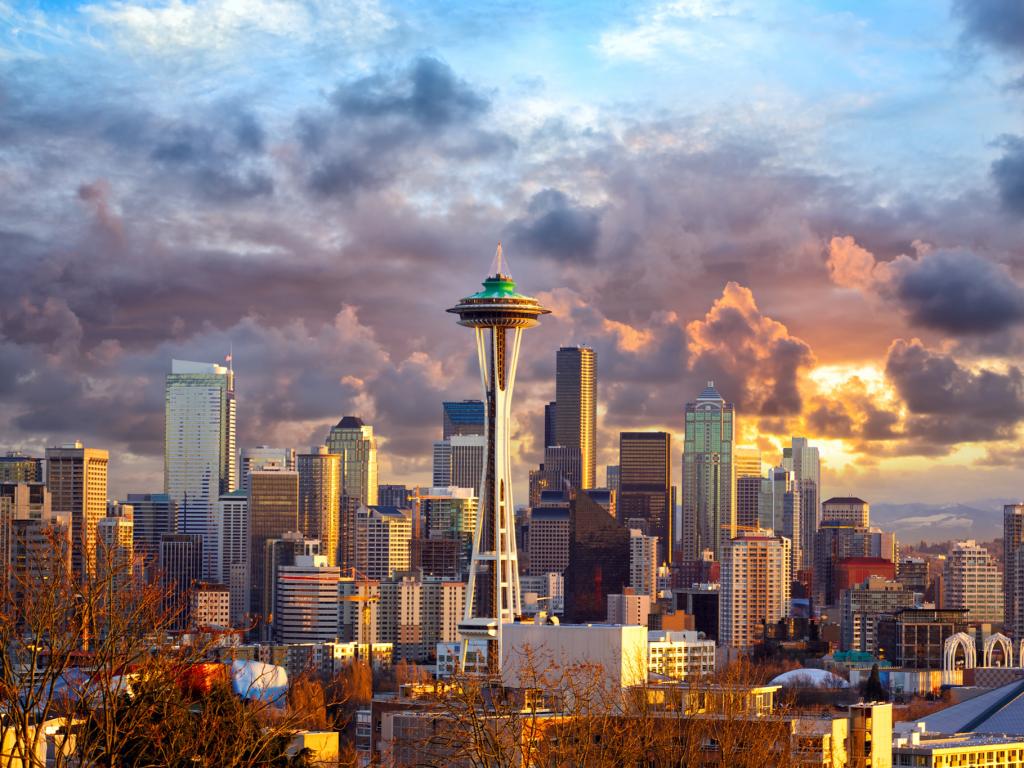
(499, 266)
(231, 356)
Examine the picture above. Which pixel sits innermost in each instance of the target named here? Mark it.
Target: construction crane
(365, 599)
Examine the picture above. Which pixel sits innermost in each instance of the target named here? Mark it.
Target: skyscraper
(709, 487)
(262, 457)
(779, 510)
(306, 603)
(77, 479)
(354, 442)
(273, 511)
(576, 407)
(154, 515)
(550, 424)
(748, 486)
(382, 536)
(1013, 571)
(462, 417)
(803, 460)
(492, 595)
(234, 552)
(645, 485)
(319, 499)
(199, 446)
(459, 461)
(181, 567)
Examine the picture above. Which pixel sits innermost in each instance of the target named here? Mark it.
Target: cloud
(949, 403)
(176, 28)
(388, 126)
(956, 292)
(749, 354)
(678, 25)
(998, 23)
(1008, 174)
(557, 228)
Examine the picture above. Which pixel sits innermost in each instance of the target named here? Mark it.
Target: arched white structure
(998, 640)
(1020, 653)
(959, 640)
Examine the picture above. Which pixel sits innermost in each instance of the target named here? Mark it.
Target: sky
(817, 205)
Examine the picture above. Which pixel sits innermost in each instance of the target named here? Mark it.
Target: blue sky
(813, 202)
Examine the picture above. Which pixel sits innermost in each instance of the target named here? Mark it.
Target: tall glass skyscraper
(576, 407)
(709, 487)
(319, 499)
(645, 485)
(199, 446)
(353, 440)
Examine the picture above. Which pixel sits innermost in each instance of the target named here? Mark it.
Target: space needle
(492, 595)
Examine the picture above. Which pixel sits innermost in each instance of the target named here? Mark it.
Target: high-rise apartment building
(1013, 570)
(382, 536)
(320, 499)
(307, 601)
(755, 587)
(234, 550)
(643, 563)
(973, 581)
(273, 511)
(846, 509)
(262, 457)
(563, 466)
(804, 462)
(18, 468)
(576, 408)
(462, 417)
(645, 485)
(709, 495)
(34, 543)
(77, 479)
(199, 445)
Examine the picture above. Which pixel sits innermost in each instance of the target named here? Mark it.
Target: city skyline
(838, 251)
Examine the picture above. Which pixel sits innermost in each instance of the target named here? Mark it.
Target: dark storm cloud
(999, 23)
(388, 123)
(217, 159)
(557, 228)
(428, 95)
(949, 403)
(959, 293)
(1008, 174)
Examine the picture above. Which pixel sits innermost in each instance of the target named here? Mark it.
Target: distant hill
(981, 520)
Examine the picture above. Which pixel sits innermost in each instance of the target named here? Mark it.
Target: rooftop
(349, 422)
(710, 393)
(844, 500)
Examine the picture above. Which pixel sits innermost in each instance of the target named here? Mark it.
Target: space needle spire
(498, 314)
